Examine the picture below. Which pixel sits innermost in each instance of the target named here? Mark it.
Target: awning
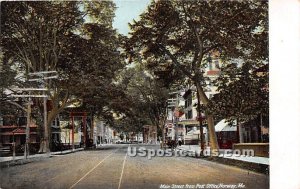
(18, 131)
(224, 126)
(8, 127)
(196, 132)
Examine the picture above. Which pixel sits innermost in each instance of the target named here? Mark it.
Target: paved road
(111, 168)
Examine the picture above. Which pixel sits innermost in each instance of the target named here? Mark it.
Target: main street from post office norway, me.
(110, 167)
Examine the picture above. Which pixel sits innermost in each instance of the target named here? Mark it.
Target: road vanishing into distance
(110, 167)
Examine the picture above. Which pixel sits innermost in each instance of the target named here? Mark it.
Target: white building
(103, 134)
(186, 124)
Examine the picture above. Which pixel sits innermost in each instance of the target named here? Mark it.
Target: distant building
(149, 134)
(103, 134)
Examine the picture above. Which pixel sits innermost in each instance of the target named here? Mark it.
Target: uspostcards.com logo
(149, 153)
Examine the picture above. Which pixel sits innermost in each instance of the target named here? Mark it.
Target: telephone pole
(28, 110)
(43, 77)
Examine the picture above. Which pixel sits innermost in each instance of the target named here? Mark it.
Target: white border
(285, 94)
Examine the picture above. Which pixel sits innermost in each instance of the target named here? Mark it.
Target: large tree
(76, 39)
(187, 33)
(7, 78)
(146, 98)
(243, 96)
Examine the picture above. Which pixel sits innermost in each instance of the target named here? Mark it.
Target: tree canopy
(172, 44)
(74, 38)
(244, 96)
(187, 34)
(145, 99)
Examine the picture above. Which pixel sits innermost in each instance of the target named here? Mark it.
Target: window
(217, 64)
(188, 101)
(190, 114)
(57, 122)
(22, 121)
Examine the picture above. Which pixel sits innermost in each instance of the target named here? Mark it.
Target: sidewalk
(251, 159)
(6, 161)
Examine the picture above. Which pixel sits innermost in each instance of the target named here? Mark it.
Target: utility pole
(200, 125)
(26, 149)
(261, 127)
(176, 117)
(28, 110)
(72, 124)
(46, 134)
(42, 77)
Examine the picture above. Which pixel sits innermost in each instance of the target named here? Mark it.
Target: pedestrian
(179, 141)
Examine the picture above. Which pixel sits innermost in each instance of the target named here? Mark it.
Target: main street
(110, 167)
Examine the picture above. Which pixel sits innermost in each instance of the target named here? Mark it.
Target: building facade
(13, 132)
(150, 134)
(103, 134)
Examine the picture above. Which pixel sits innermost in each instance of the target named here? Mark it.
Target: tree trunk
(212, 132)
(46, 143)
(210, 120)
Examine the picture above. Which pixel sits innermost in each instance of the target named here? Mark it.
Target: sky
(127, 10)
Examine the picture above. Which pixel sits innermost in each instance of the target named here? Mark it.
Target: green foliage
(144, 101)
(7, 77)
(243, 96)
(75, 39)
(149, 96)
(185, 33)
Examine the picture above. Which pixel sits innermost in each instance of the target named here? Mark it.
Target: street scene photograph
(148, 94)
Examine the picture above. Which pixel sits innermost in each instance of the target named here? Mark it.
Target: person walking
(179, 141)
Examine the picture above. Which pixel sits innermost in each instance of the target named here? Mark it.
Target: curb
(256, 167)
(251, 166)
(22, 161)
(66, 152)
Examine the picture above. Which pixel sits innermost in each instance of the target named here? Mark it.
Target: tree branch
(177, 64)
(16, 104)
